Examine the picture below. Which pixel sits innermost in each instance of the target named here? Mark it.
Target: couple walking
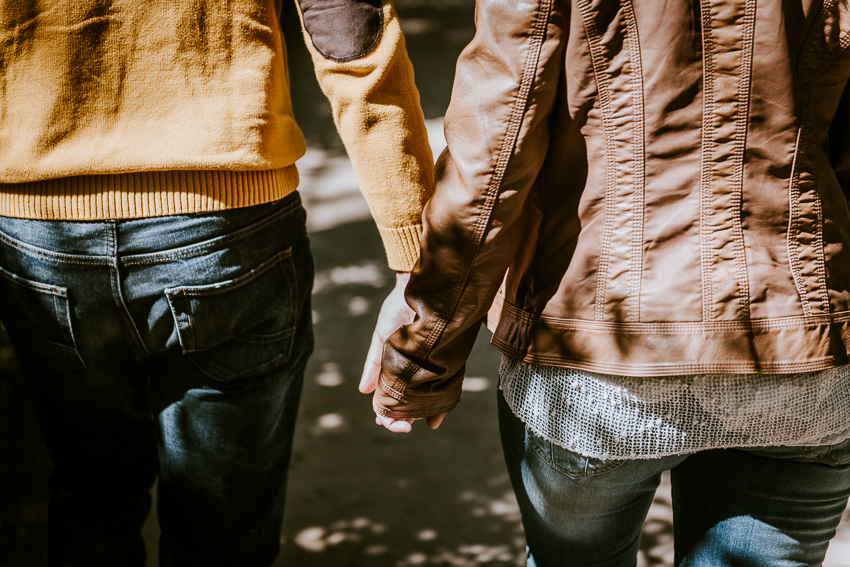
(649, 198)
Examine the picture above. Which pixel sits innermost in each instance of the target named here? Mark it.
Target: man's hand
(395, 312)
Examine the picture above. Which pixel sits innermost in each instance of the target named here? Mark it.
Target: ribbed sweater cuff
(402, 245)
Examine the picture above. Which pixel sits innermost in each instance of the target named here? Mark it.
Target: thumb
(372, 366)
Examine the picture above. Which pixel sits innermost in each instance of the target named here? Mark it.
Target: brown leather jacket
(662, 184)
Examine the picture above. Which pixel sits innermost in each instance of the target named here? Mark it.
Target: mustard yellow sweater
(135, 109)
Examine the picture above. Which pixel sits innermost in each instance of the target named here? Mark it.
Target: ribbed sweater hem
(144, 194)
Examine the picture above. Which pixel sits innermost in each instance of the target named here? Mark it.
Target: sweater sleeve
(362, 66)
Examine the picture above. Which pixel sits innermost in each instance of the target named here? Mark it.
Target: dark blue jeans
(776, 506)
(171, 346)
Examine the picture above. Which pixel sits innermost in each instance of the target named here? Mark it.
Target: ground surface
(358, 496)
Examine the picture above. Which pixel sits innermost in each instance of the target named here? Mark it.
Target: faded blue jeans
(171, 346)
(770, 507)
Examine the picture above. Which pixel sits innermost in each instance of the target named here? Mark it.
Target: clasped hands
(395, 313)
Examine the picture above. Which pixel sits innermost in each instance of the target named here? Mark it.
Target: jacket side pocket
(240, 328)
(38, 319)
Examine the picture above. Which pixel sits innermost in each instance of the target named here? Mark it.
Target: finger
(372, 366)
(388, 420)
(435, 421)
(396, 425)
(400, 426)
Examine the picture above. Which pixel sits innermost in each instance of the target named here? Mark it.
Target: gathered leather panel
(727, 38)
(615, 51)
(826, 41)
(343, 30)
(671, 281)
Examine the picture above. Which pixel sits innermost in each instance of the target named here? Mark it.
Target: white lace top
(618, 417)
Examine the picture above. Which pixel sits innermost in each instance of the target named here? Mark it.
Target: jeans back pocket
(834, 455)
(569, 463)
(37, 317)
(240, 328)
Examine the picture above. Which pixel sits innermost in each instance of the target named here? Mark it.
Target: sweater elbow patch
(343, 30)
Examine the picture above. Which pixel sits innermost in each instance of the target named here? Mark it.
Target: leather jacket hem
(781, 345)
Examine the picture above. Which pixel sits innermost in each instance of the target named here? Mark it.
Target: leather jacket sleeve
(498, 130)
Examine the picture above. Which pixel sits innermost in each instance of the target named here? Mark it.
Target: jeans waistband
(141, 236)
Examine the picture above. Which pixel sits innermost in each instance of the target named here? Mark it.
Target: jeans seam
(186, 292)
(808, 453)
(542, 454)
(227, 239)
(278, 260)
(48, 255)
(585, 474)
(189, 321)
(115, 276)
(837, 462)
(43, 288)
(290, 284)
(56, 309)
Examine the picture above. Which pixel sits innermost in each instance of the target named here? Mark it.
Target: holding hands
(395, 313)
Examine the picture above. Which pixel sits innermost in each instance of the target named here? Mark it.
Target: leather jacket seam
(705, 174)
(639, 143)
(755, 325)
(602, 86)
(758, 325)
(743, 122)
(391, 391)
(657, 370)
(406, 414)
(405, 397)
(635, 178)
(712, 253)
(791, 242)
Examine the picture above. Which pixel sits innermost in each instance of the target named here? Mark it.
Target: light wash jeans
(771, 507)
(171, 346)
